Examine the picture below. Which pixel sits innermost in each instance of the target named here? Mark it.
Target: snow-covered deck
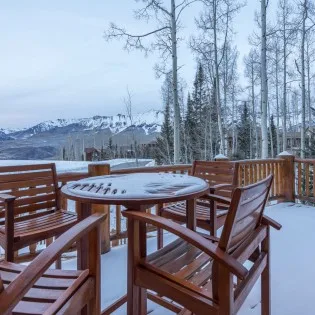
(292, 266)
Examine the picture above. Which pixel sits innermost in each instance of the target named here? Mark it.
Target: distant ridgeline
(69, 139)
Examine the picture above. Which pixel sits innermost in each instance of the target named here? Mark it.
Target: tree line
(271, 110)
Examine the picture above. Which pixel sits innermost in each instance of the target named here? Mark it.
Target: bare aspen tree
(305, 25)
(310, 58)
(252, 72)
(303, 124)
(286, 34)
(129, 111)
(276, 50)
(215, 25)
(264, 82)
(165, 42)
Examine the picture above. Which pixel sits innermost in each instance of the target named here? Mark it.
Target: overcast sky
(55, 63)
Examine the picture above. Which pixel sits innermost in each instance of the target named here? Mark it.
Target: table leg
(191, 214)
(83, 211)
(136, 296)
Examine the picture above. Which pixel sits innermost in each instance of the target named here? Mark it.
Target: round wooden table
(137, 191)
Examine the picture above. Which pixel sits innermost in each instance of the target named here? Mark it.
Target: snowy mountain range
(149, 121)
(46, 139)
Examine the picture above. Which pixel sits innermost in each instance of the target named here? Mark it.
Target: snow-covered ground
(292, 266)
(72, 166)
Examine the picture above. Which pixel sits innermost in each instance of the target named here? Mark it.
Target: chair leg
(265, 278)
(160, 240)
(136, 296)
(58, 260)
(9, 254)
(94, 263)
(213, 218)
(58, 263)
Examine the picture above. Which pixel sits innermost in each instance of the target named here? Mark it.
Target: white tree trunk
(277, 101)
(175, 88)
(309, 118)
(303, 80)
(264, 85)
(254, 110)
(217, 79)
(284, 108)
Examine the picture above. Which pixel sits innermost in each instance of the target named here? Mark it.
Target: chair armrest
(220, 187)
(193, 238)
(268, 221)
(8, 202)
(217, 198)
(26, 279)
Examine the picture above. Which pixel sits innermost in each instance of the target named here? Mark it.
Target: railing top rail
(71, 176)
(154, 169)
(299, 160)
(260, 161)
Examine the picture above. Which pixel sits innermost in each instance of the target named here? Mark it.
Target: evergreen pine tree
(64, 157)
(199, 134)
(274, 135)
(244, 134)
(190, 126)
(165, 142)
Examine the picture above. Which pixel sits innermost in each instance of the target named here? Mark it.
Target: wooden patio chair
(30, 207)
(35, 289)
(222, 177)
(198, 273)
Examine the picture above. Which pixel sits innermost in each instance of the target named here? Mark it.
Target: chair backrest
(245, 213)
(34, 186)
(217, 172)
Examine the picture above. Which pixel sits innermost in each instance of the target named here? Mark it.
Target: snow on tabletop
(292, 267)
(137, 186)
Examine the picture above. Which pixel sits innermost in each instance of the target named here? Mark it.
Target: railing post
(99, 169)
(288, 176)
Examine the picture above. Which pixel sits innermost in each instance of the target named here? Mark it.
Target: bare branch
(184, 6)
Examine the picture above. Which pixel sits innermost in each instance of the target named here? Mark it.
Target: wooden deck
(288, 271)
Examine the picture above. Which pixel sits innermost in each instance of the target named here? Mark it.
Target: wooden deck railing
(304, 179)
(251, 171)
(293, 181)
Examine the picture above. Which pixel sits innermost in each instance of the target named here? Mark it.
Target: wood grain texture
(33, 289)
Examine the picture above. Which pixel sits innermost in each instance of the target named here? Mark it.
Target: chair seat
(50, 287)
(190, 266)
(48, 224)
(177, 212)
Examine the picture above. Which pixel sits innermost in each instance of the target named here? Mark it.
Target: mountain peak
(150, 121)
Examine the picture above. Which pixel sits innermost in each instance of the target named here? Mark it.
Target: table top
(136, 188)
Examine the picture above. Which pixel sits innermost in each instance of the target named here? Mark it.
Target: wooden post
(288, 176)
(98, 169)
